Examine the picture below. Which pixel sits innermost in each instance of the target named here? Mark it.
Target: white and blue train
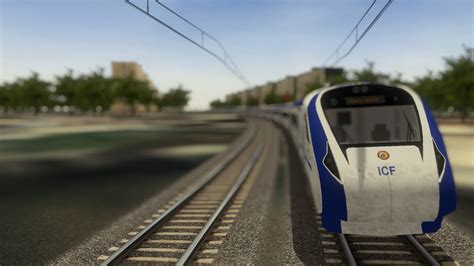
(374, 156)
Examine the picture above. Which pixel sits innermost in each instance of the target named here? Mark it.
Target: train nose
(390, 185)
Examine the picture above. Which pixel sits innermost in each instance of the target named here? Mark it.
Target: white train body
(374, 157)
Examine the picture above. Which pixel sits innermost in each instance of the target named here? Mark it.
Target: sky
(268, 39)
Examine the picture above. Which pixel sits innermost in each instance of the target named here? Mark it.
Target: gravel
(276, 224)
(457, 243)
(89, 250)
(262, 232)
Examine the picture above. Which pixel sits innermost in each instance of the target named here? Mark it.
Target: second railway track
(192, 226)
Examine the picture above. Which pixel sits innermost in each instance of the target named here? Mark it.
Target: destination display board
(365, 100)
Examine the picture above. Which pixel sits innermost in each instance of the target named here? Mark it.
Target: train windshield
(372, 114)
(375, 124)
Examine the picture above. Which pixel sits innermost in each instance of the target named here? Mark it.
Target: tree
(14, 97)
(5, 97)
(36, 92)
(430, 89)
(104, 90)
(147, 95)
(368, 74)
(235, 101)
(175, 98)
(458, 81)
(333, 79)
(252, 101)
(218, 104)
(93, 92)
(398, 79)
(66, 89)
(452, 87)
(312, 86)
(134, 92)
(273, 98)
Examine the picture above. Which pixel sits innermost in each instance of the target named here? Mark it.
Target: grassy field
(77, 141)
(60, 135)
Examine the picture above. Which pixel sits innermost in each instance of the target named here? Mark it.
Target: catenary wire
(223, 58)
(358, 38)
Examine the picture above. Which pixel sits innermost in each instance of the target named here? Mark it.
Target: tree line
(86, 93)
(450, 90)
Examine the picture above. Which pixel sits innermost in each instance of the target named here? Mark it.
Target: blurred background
(101, 107)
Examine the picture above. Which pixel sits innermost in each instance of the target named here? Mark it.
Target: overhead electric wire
(225, 58)
(358, 38)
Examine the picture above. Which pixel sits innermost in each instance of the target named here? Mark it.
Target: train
(374, 156)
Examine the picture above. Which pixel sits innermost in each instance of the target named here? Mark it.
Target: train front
(384, 152)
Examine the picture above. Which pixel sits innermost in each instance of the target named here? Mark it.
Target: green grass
(77, 141)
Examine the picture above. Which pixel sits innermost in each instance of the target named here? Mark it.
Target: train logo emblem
(383, 155)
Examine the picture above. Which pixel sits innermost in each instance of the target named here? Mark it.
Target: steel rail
(422, 251)
(350, 260)
(133, 243)
(194, 247)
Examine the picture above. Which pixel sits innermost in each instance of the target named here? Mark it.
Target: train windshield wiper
(410, 130)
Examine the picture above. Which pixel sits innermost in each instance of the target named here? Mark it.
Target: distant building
(315, 75)
(243, 97)
(127, 69)
(253, 94)
(291, 87)
(286, 88)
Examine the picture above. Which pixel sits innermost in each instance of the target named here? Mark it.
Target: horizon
(57, 39)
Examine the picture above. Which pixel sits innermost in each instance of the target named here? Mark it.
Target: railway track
(191, 228)
(193, 225)
(392, 250)
(351, 250)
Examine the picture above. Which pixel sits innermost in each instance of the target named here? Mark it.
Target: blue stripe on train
(447, 189)
(333, 196)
